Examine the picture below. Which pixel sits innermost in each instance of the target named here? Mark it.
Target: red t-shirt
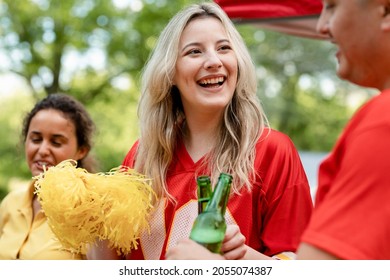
(272, 216)
(352, 210)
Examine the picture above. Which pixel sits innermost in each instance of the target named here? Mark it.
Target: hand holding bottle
(210, 225)
(233, 248)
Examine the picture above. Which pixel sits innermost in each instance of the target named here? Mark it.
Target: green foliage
(12, 162)
(291, 71)
(117, 129)
(95, 50)
(86, 48)
(53, 43)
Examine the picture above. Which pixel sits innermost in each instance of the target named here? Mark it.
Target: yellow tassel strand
(82, 208)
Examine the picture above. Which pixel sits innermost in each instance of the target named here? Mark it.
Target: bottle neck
(204, 186)
(220, 195)
(204, 192)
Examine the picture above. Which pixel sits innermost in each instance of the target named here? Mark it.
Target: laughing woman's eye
(36, 140)
(225, 47)
(193, 51)
(56, 143)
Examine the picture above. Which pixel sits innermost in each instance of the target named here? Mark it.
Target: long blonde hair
(161, 114)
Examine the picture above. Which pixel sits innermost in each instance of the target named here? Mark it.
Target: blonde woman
(199, 114)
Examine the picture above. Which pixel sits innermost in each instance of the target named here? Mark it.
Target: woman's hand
(233, 247)
(187, 249)
(101, 251)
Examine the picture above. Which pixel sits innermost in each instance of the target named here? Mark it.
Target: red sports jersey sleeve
(352, 211)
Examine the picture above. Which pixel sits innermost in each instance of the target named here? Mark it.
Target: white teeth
(212, 81)
(42, 163)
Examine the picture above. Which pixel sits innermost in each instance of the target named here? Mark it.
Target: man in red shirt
(352, 212)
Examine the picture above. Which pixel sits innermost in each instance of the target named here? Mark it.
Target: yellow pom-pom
(82, 208)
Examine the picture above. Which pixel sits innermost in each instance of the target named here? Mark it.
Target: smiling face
(206, 68)
(355, 27)
(51, 138)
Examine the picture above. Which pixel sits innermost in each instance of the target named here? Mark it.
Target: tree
(292, 72)
(58, 45)
(91, 49)
(95, 50)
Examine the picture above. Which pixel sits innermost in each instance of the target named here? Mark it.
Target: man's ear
(386, 16)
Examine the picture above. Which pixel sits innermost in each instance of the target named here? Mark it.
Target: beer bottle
(210, 226)
(204, 192)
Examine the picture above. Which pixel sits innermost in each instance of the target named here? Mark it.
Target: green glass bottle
(204, 192)
(210, 226)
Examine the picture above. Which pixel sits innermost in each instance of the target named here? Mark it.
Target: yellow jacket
(21, 237)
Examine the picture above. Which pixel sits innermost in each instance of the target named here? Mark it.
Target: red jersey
(272, 216)
(351, 219)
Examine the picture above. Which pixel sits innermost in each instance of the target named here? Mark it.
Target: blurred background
(95, 49)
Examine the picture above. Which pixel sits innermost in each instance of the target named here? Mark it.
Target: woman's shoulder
(275, 146)
(15, 196)
(271, 136)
